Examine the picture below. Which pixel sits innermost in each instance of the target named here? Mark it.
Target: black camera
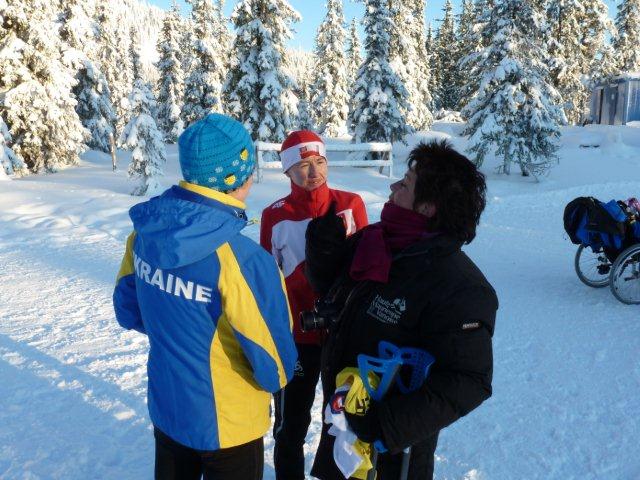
(324, 314)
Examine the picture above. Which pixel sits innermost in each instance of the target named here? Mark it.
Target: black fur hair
(451, 182)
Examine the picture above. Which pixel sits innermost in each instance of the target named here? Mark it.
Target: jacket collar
(316, 201)
(213, 194)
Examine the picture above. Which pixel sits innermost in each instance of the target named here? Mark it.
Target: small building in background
(616, 101)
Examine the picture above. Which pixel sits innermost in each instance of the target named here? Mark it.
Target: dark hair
(451, 182)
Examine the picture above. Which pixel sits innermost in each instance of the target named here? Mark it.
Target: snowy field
(566, 402)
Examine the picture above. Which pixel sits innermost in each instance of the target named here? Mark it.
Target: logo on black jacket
(387, 311)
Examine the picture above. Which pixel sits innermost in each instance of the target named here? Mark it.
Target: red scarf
(397, 229)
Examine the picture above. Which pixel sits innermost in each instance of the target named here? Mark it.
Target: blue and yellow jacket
(214, 306)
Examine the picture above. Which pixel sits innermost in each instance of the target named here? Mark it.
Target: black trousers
(388, 467)
(175, 461)
(293, 414)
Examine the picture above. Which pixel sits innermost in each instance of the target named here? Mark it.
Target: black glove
(327, 232)
(367, 427)
(324, 250)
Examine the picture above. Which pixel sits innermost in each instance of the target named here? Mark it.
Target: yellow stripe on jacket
(241, 404)
(241, 308)
(126, 267)
(284, 289)
(242, 407)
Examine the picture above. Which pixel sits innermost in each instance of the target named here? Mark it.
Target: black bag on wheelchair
(610, 227)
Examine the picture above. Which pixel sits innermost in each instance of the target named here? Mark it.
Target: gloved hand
(326, 232)
(367, 427)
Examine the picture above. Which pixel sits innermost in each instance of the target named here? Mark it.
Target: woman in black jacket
(405, 280)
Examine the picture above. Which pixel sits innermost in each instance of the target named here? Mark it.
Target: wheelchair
(608, 239)
(624, 279)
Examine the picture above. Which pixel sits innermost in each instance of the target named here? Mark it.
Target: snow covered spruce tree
(171, 88)
(114, 59)
(468, 45)
(354, 57)
(136, 70)
(10, 163)
(473, 43)
(91, 91)
(579, 31)
(447, 50)
(515, 110)
(94, 106)
(565, 49)
(202, 94)
(258, 92)
(434, 67)
(410, 61)
(186, 41)
(77, 26)
(379, 95)
(604, 66)
(599, 51)
(225, 38)
(329, 91)
(299, 64)
(465, 34)
(134, 55)
(143, 137)
(36, 101)
(305, 118)
(628, 39)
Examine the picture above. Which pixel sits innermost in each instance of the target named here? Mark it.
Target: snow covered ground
(566, 402)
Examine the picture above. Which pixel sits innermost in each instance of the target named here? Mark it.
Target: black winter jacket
(436, 299)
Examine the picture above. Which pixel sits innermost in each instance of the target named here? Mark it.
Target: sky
(313, 11)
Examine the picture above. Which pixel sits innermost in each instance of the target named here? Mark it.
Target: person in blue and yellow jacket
(214, 307)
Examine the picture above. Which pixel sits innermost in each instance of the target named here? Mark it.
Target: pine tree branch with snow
(92, 93)
(410, 61)
(38, 105)
(10, 163)
(203, 86)
(628, 36)
(434, 68)
(354, 56)
(448, 53)
(171, 87)
(258, 92)
(580, 51)
(114, 38)
(515, 112)
(143, 137)
(379, 95)
(329, 91)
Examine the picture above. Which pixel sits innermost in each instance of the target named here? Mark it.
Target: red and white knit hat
(299, 145)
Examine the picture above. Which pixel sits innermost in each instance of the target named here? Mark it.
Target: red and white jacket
(282, 231)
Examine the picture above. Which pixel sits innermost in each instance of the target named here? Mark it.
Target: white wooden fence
(385, 150)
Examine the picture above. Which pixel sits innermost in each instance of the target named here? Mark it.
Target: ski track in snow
(73, 383)
(77, 383)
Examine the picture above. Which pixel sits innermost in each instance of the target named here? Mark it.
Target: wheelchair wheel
(625, 276)
(592, 268)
